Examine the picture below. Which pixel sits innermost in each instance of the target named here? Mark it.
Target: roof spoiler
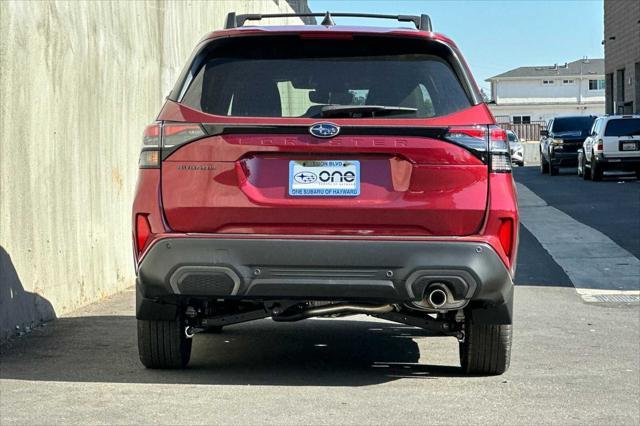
(422, 22)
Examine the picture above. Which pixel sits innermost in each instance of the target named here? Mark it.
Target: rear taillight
(489, 143)
(150, 154)
(505, 235)
(174, 134)
(600, 145)
(500, 157)
(472, 137)
(168, 135)
(143, 232)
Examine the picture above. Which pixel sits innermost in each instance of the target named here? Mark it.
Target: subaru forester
(324, 171)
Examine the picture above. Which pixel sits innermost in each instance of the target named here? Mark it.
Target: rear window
(573, 124)
(293, 77)
(623, 127)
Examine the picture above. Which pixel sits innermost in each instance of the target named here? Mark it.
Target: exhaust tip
(437, 298)
(189, 332)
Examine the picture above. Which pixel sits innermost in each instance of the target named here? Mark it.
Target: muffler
(338, 308)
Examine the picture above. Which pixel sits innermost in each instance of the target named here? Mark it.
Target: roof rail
(422, 22)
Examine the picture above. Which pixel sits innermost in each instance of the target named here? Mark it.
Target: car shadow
(20, 310)
(314, 352)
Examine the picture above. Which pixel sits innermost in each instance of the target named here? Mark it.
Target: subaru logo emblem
(305, 177)
(324, 130)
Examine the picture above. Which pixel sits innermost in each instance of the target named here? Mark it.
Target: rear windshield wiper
(369, 111)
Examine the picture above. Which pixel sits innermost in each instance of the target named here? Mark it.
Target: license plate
(629, 146)
(324, 178)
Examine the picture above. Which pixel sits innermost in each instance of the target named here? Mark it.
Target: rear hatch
(318, 136)
(622, 137)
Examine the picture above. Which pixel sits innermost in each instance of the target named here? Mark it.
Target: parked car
(267, 190)
(516, 148)
(561, 140)
(613, 143)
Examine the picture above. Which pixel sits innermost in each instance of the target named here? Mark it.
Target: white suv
(613, 143)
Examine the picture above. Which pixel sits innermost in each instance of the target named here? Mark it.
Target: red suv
(323, 170)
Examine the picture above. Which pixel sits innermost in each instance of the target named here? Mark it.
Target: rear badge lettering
(196, 167)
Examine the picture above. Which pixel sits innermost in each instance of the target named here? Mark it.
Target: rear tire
(486, 349)
(596, 171)
(163, 344)
(544, 166)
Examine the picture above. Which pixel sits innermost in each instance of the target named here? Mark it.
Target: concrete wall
(78, 83)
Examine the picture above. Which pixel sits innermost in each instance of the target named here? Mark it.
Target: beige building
(537, 93)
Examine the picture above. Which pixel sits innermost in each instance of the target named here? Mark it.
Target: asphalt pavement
(574, 361)
(612, 206)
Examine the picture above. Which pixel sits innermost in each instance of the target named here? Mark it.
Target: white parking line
(593, 262)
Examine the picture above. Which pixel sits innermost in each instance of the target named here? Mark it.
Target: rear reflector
(505, 234)
(143, 232)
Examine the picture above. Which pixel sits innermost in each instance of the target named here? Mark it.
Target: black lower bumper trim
(627, 163)
(262, 269)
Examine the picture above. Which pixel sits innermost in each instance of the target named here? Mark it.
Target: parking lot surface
(575, 357)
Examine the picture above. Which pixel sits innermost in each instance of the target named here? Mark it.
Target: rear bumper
(618, 162)
(339, 269)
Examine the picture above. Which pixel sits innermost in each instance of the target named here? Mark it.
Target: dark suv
(306, 171)
(560, 142)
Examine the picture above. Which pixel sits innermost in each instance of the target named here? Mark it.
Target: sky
(496, 36)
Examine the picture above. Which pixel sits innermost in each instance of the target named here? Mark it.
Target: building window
(567, 81)
(521, 119)
(596, 84)
(548, 82)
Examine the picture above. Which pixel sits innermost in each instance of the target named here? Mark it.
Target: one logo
(336, 176)
(305, 177)
(324, 130)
